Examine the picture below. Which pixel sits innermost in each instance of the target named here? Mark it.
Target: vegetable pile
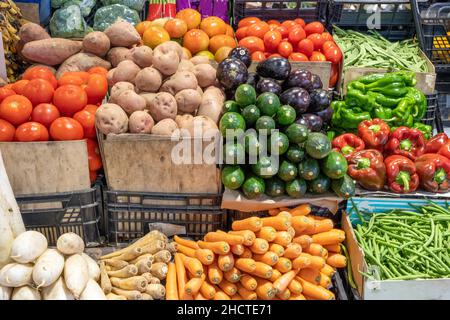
(288, 256)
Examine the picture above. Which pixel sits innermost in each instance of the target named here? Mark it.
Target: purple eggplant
(253, 79)
(268, 85)
(232, 73)
(316, 82)
(315, 122)
(320, 100)
(242, 54)
(299, 78)
(325, 114)
(276, 68)
(298, 98)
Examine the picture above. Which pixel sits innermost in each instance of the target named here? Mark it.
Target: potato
(185, 65)
(148, 80)
(163, 106)
(179, 81)
(118, 88)
(206, 74)
(199, 90)
(32, 32)
(126, 71)
(117, 55)
(110, 118)
(52, 51)
(202, 126)
(188, 100)
(148, 99)
(166, 63)
(96, 43)
(110, 77)
(212, 104)
(82, 62)
(166, 127)
(199, 60)
(169, 46)
(184, 121)
(122, 34)
(130, 101)
(142, 56)
(141, 122)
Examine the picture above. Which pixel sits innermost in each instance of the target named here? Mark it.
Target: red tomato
(98, 70)
(283, 31)
(306, 46)
(41, 72)
(258, 56)
(314, 27)
(300, 22)
(66, 129)
(317, 40)
(70, 79)
(333, 54)
(7, 131)
(70, 99)
(275, 55)
(16, 109)
(327, 44)
(87, 121)
(31, 131)
(273, 21)
(45, 114)
(252, 44)
(288, 24)
(273, 26)
(258, 29)
(39, 91)
(97, 88)
(296, 35)
(317, 57)
(297, 56)
(5, 92)
(271, 40)
(19, 86)
(334, 75)
(248, 21)
(327, 36)
(92, 176)
(92, 108)
(285, 48)
(241, 33)
(95, 161)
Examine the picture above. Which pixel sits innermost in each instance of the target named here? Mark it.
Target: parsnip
(129, 294)
(76, 274)
(144, 265)
(157, 291)
(5, 293)
(28, 246)
(70, 243)
(144, 256)
(105, 283)
(57, 291)
(153, 247)
(6, 234)
(92, 291)
(48, 268)
(146, 296)
(150, 278)
(112, 296)
(172, 247)
(128, 271)
(163, 256)
(93, 268)
(138, 283)
(25, 293)
(130, 254)
(159, 270)
(116, 264)
(16, 275)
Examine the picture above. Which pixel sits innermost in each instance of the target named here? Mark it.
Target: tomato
(45, 114)
(92, 108)
(241, 33)
(65, 128)
(246, 22)
(334, 75)
(16, 109)
(95, 161)
(92, 176)
(317, 57)
(314, 27)
(70, 79)
(258, 29)
(5, 92)
(98, 70)
(275, 55)
(7, 131)
(97, 88)
(297, 56)
(285, 48)
(39, 91)
(300, 22)
(252, 44)
(271, 40)
(31, 131)
(283, 30)
(288, 24)
(87, 121)
(70, 99)
(317, 40)
(327, 36)
(19, 86)
(306, 46)
(296, 35)
(258, 56)
(333, 54)
(41, 72)
(273, 21)
(327, 44)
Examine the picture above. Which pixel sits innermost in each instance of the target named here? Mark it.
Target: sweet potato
(142, 56)
(117, 55)
(212, 102)
(96, 43)
(130, 101)
(52, 51)
(148, 80)
(163, 106)
(165, 127)
(110, 118)
(82, 62)
(188, 100)
(180, 81)
(32, 32)
(122, 34)
(206, 74)
(140, 122)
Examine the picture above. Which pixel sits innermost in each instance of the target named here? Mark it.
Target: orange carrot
(267, 233)
(199, 296)
(245, 265)
(185, 242)
(325, 281)
(237, 249)
(236, 297)
(171, 283)
(292, 251)
(297, 297)
(262, 270)
(301, 210)
(215, 275)
(233, 275)
(315, 292)
(333, 236)
(181, 277)
(231, 239)
(205, 256)
(253, 224)
(275, 275)
(285, 295)
(317, 250)
(279, 250)
(249, 236)
(248, 282)
(283, 238)
(193, 265)
(291, 232)
(220, 247)
(302, 223)
(323, 225)
(193, 286)
(273, 212)
(207, 290)
(284, 209)
(282, 283)
(311, 275)
(245, 293)
(270, 258)
(334, 248)
(228, 287)
(328, 270)
(279, 223)
(285, 214)
(303, 240)
(301, 262)
(283, 265)
(295, 287)
(259, 246)
(316, 262)
(225, 262)
(265, 289)
(337, 260)
(186, 250)
(220, 295)
(247, 254)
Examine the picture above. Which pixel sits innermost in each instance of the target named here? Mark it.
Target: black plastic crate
(55, 214)
(444, 107)
(129, 213)
(433, 116)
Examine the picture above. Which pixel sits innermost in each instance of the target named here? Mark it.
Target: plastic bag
(137, 5)
(68, 23)
(58, 3)
(86, 6)
(221, 9)
(106, 16)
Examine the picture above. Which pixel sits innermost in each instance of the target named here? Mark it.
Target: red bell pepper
(374, 133)
(348, 144)
(435, 143)
(434, 172)
(368, 169)
(406, 142)
(401, 174)
(445, 150)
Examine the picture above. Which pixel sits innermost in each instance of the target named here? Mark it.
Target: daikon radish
(128, 271)
(57, 291)
(163, 256)
(70, 243)
(144, 266)
(93, 268)
(105, 283)
(92, 291)
(16, 275)
(116, 264)
(112, 296)
(48, 268)
(6, 234)
(5, 293)
(76, 274)
(25, 293)
(129, 294)
(138, 283)
(28, 246)
(157, 291)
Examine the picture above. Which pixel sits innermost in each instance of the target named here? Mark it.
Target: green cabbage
(68, 23)
(106, 16)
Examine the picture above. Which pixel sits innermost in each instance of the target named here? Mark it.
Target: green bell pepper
(395, 89)
(382, 113)
(420, 107)
(356, 98)
(383, 100)
(424, 128)
(346, 117)
(402, 113)
(369, 78)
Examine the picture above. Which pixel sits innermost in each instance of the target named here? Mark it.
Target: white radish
(48, 268)
(6, 234)
(92, 291)
(76, 274)
(16, 275)
(25, 293)
(57, 291)
(28, 246)
(93, 268)
(70, 243)
(5, 293)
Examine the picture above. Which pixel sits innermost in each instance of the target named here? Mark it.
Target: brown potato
(130, 101)
(179, 81)
(185, 65)
(110, 77)
(202, 126)
(117, 55)
(126, 71)
(199, 60)
(141, 122)
(122, 34)
(206, 74)
(166, 127)
(212, 103)
(96, 43)
(148, 80)
(169, 46)
(188, 100)
(110, 118)
(142, 56)
(166, 63)
(163, 106)
(183, 121)
(148, 98)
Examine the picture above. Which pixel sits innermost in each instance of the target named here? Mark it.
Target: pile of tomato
(41, 108)
(292, 39)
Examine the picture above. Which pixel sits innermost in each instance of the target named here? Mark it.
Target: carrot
(193, 286)
(283, 265)
(181, 276)
(248, 282)
(303, 240)
(292, 251)
(282, 283)
(215, 275)
(237, 249)
(284, 209)
(249, 236)
(323, 225)
(225, 262)
(171, 283)
(270, 258)
(265, 289)
(199, 296)
(246, 265)
(325, 281)
(333, 236)
(219, 247)
(220, 295)
(273, 212)
(186, 250)
(311, 275)
(328, 270)
(259, 246)
(231, 239)
(279, 250)
(283, 238)
(246, 294)
(263, 270)
(205, 256)
(302, 223)
(334, 248)
(228, 287)
(295, 287)
(315, 292)
(291, 232)
(279, 223)
(207, 290)
(185, 242)
(317, 250)
(247, 254)
(297, 297)
(233, 275)
(337, 260)
(301, 262)
(193, 265)
(301, 210)
(316, 262)
(267, 233)
(253, 224)
(285, 295)
(318, 218)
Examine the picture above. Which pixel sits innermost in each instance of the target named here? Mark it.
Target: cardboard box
(37, 11)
